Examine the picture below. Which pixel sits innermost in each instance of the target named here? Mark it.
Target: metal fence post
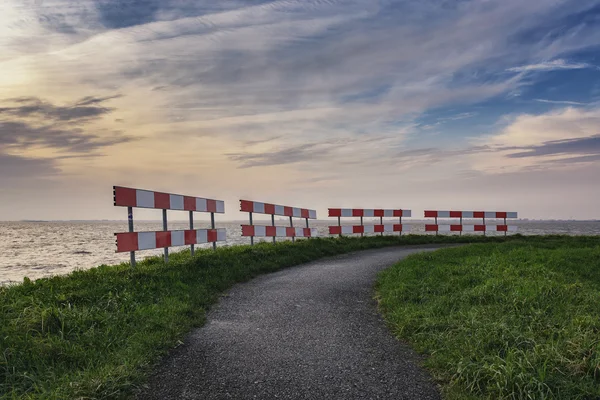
(273, 224)
(292, 225)
(212, 226)
(484, 232)
(130, 219)
(381, 223)
(308, 227)
(361, 224)
(401, 225)
(191, 229)
(340, 225)
(438, 227)
(251, 237)
(460, 232)
(165, 229)
(505, 224)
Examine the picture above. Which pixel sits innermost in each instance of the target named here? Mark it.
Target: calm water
(40, 249)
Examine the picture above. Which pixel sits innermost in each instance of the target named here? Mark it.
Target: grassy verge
(95, 334)
(515, 320)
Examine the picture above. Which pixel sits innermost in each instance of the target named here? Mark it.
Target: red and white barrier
(470, 214)
(277, 231)
(255, 207)
(273, 209)
(350, 229)
(470, 228)
(364, 212)
(139, 198)
(134, 241)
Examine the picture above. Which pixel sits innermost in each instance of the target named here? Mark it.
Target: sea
(37, 249)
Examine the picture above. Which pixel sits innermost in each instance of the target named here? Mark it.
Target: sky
(489, 105)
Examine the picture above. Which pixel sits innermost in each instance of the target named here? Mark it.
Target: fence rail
(277, 231)
(470, 228)
(133, 241)
(140, 198)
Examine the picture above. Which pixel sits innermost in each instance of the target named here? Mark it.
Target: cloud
(19, 136)
(572, 103)
(83, 110)
(459, 116)
(88, 100)
(335, 154)
(556, 140)
(561, 124)
(290, 155)
(593, 159)
(554, 65)
(580, 146)
(31, 123)
(550, 140)
(443, 160)
(261, 141)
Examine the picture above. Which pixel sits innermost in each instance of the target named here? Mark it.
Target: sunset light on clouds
(397, 104)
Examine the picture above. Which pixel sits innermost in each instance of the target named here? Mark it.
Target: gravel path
(308, 332)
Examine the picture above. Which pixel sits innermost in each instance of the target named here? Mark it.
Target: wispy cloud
(542, 141)
(564, 102)
(18, 135)
(289, 155)
(552, 141)
(261, 141)
(82, 110)
(554, 65)
(570, 161)
(32, 123)
(459, 116)
(579, 146)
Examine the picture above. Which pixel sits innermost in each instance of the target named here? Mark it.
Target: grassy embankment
(95, 334)
(515, 320)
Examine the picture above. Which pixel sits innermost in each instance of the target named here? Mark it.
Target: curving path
(308, 332)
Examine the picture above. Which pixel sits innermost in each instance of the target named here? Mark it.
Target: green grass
(96, 334)
(514, 320)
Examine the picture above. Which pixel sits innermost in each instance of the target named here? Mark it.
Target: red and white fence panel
(255, 207)
(483, 215)
(138, 198)
(134, 241)
(369, 213)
